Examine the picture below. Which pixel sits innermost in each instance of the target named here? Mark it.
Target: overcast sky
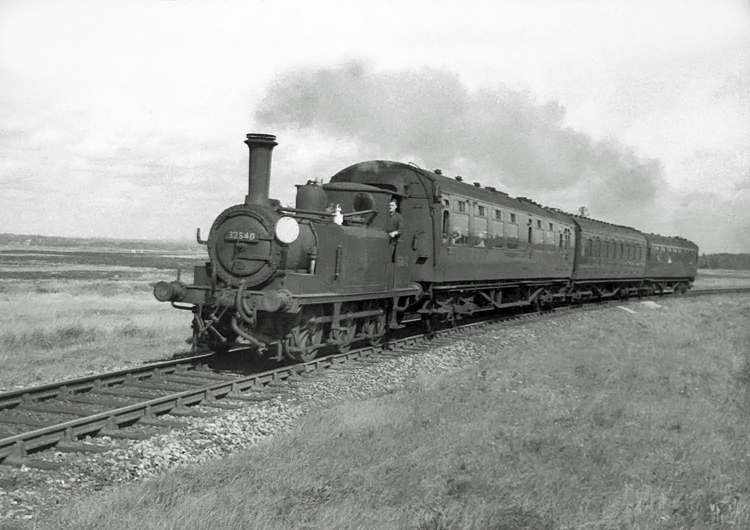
(127, 119)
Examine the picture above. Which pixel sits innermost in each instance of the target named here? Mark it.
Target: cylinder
(259, 173)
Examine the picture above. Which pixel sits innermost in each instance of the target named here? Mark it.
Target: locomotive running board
(328, 298)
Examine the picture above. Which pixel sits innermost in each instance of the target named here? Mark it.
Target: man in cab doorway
(395, 226)
(395, 221)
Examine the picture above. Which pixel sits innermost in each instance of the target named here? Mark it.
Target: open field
(721, 279)
(66, 312)
(85, 264)
(604, 420)
(55, 330)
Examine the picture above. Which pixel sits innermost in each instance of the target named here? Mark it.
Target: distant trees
(724, 261)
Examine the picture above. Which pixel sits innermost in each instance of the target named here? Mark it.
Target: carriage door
(414, 252)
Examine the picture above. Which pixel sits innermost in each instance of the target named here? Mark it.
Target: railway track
(120, 404)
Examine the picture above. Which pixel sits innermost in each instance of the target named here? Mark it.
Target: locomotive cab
(360, 204)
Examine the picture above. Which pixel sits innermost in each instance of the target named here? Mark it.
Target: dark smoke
(497, 134)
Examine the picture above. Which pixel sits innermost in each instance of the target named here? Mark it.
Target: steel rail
(13, 398)
(18, 446)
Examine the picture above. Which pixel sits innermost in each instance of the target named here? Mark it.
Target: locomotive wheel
(429, 323)
(374, 327)
(345, 335)
(305, 338)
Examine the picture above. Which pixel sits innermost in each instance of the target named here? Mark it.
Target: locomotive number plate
(237, 235)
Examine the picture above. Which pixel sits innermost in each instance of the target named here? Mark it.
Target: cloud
(497, 135)
(67, 170)
(723, 224)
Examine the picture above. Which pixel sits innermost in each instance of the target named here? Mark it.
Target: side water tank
(311, 197)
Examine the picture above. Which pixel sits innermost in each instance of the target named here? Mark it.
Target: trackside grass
(56, 329)
(606, 420)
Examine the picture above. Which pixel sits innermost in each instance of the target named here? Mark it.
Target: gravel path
(26, 494)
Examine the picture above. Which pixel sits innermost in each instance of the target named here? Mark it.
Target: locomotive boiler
(290, 281)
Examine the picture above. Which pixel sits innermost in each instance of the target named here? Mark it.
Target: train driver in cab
(395, 221)
(395, 226)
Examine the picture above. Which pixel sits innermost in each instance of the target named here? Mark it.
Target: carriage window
(479, 232)
(511, 234)
(549, 238)
(496, 237)
(460, 232)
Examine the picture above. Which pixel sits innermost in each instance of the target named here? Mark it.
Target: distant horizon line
(90, 238)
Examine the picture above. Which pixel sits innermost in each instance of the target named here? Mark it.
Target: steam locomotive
(290, 281)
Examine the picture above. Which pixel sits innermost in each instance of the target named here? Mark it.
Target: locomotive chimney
(259, 176)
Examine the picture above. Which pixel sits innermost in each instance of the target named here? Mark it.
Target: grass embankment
(608, 420)
(56, 329)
